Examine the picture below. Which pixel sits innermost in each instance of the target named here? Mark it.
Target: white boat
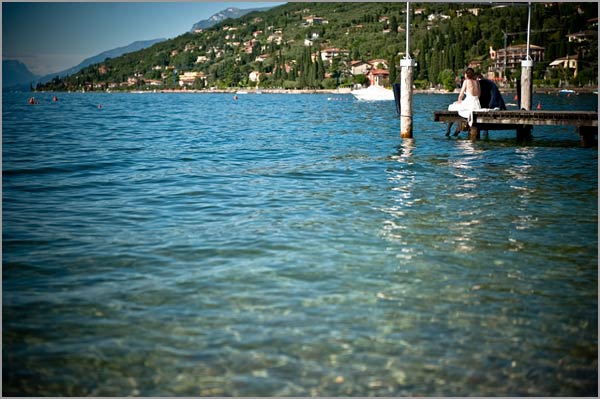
(373, 93)
(241, 92)
(566, 91)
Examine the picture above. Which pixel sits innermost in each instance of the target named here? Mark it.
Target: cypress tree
(320, 68)
(394, 25)
(393, 70)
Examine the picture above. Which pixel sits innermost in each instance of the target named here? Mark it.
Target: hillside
(313, 45)
(15, 74)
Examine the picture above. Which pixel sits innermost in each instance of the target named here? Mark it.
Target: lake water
(292, 245)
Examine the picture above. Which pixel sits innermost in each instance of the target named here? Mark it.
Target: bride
(470, 89)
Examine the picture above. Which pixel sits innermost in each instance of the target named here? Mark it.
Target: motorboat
(373, 93)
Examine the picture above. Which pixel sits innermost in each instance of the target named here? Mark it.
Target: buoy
(32, 100)
(516, 97)
(539, 106)
(99, 106)
(235, 97)
(54, 98)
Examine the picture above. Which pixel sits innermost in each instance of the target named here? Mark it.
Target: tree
(393, 25)
(393, 70)
(446, 77)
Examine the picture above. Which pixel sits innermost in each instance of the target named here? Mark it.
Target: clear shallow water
(181, 244)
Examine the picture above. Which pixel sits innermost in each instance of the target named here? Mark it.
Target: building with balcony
(510, 58)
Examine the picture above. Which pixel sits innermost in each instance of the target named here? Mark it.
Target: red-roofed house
(378, 76)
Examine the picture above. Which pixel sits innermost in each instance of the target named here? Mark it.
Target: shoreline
(540, 90)
(536, 90)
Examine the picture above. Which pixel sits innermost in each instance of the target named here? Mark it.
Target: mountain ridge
(16, 74)
(112, 53)
(231, 12)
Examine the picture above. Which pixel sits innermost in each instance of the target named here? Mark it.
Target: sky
(50, 37)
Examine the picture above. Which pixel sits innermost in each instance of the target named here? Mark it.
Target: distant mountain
(16, 74)
(117, 52)
(230, 12)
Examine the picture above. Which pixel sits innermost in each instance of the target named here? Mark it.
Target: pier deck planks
(522, 121)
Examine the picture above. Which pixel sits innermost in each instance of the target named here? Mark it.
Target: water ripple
(182, 244)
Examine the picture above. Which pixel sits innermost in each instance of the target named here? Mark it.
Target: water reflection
(403, 180)
(520, 183)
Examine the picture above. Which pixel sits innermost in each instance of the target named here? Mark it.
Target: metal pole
(505, 42)
(528, 28)
(407, 54)
(527, 71)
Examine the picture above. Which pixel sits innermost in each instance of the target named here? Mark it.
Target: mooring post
(526, 84)
(406, 94)
(406, 84)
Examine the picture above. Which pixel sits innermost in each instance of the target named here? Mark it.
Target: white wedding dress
(466, 106)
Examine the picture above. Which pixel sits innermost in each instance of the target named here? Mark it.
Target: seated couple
(477, 91)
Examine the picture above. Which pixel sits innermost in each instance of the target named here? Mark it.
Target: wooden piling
(588, 135)
(474, 133)
(526, 84)
(406, 92)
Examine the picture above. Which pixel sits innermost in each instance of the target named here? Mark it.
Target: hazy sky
(51, 37)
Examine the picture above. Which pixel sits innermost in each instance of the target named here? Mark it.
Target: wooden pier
(586, 123)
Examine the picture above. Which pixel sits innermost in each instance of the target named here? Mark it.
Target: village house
(254, 76)
(153, 82)
(328, 54)
(378, 77)
(359, 67)
(568, 62)
(188, 78)
(275, 38)
(583, 36)
(249, 45)
(314, 20)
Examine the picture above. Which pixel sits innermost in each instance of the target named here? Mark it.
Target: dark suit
(490, 96)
